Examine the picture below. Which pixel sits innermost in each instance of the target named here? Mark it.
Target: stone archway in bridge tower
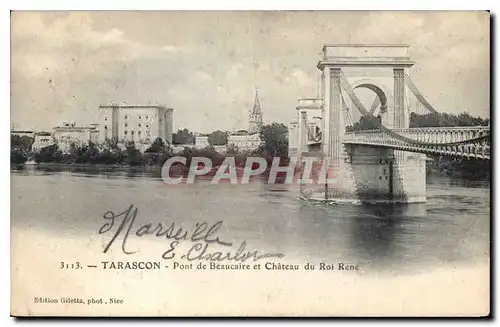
(382, 92)
(380, 68)
(368, 171)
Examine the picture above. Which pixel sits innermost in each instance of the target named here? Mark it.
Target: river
(452, 228)
(428, 259)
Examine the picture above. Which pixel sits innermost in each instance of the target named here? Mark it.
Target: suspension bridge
(388, 162)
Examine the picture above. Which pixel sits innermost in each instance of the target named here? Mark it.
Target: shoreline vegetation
(112, 155)
(460, 167)
(439, 165)
(453, 167)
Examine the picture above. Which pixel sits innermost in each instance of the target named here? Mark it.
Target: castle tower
(255, 117)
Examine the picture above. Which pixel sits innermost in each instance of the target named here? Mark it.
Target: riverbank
(90, 166)
(437, 167)
(241, 164)
(460, 167)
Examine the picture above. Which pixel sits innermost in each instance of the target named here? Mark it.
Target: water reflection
(374, 232)
(453, 226)
(92, 171)
(379, 232)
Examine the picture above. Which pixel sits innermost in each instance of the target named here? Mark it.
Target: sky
(206, 65)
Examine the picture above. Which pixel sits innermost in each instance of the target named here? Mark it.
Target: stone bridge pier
(357, 172)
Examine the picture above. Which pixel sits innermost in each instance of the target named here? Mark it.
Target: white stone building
(69, 133)
(201, 141)
(21, 133)
(244, 141)
(140, 124)
(41, 140)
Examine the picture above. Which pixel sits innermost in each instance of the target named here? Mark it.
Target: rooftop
(75, 127)
(22, 132)
(134, 106)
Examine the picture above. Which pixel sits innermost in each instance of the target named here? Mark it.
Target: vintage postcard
(250, 163)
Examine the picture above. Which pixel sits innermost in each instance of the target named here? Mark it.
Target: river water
(451, 230)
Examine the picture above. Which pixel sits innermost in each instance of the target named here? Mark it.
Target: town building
(181, 147)
(69, 133)
(246, 141)
(222, 149)
(137, 123)
(41, 140)
(22, 133)
(201, 141)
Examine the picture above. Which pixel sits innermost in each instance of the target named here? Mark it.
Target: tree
(217, 138)
(157, 146)
(365, 123)
(24, 142)
(158, 152)
(110, 152)
(446, 120)
(428, 120)
(78, 152)
(18, 156)
(183, 136)
(233, 150)
(20, 147)
(274, 140)
(50, 153)
(134, 156)
(92, 155)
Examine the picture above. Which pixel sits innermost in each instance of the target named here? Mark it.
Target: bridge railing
(445, 135)
(433, 134)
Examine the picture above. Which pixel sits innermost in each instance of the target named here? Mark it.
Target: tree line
(427, 120)
(274, 142)
(185, 136)
(463, 167)
(475, 169)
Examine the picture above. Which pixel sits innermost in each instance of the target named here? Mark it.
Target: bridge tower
(359, 171)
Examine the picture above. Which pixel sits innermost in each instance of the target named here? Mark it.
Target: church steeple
(256, 105)
(255, 117)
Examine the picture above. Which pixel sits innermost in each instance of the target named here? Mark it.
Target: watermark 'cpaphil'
(306, 170)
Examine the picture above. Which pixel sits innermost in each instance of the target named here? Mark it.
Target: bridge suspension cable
(348, 121)
(375, 105)
(344, 83)
(413, 88)
(423, 106)
(420, 108)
